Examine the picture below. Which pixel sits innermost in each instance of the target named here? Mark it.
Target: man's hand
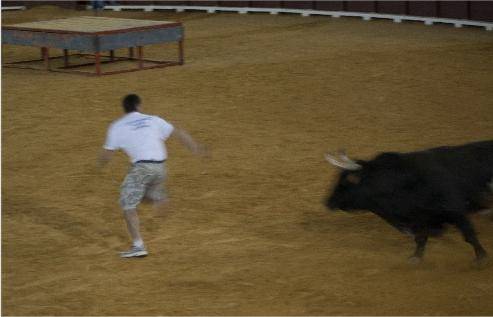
(187, 140)
(201, 150)
(105, 157)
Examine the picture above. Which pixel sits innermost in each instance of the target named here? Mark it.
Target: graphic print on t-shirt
(140, 123)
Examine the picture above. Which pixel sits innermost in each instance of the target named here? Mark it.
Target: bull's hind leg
(467, 230)
(420, 239)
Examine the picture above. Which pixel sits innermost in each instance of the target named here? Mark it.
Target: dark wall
(471, 10)
(481, 10)
(392, 7)
(65, 4)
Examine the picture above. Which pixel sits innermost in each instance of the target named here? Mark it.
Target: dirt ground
(248, 234)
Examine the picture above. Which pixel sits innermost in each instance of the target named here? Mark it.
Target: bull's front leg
(467, 230)
(421, 239)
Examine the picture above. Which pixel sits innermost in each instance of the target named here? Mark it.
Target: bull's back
(465, 169)
(472, 159)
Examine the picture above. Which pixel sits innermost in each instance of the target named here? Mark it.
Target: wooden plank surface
(90, 24)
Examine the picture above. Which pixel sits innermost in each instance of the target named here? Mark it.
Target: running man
(142, 138)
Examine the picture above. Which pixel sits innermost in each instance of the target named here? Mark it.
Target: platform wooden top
(91, 25)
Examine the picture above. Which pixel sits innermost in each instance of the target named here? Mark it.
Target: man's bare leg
(161, 207)
(138, 249)
(133, 224)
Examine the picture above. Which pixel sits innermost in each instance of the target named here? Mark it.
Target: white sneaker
(134, 252)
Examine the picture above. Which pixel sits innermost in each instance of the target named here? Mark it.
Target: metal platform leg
(140, 55)
(131, 52)
(181, 52)
(46, 57)
(65, 58)
(98, 63)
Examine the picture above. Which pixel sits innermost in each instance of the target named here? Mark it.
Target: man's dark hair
(130, 103)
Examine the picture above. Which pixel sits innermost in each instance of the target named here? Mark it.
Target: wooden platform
(92, 36)
(91, 25)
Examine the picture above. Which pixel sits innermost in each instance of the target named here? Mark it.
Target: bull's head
(365, 185)
(343, 195)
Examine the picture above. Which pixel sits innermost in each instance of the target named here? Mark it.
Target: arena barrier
(367, 16)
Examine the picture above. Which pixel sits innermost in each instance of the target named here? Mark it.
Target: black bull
(420, 192)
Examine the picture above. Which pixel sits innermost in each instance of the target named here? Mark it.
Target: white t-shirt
(140, 136)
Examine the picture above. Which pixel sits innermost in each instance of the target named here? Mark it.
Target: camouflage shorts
(144, 180)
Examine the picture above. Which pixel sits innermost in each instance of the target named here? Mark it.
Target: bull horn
(344, 156)
(342, 162)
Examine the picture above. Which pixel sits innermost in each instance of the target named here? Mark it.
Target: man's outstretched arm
(186, 139)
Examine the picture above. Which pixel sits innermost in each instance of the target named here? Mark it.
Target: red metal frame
(45, 58)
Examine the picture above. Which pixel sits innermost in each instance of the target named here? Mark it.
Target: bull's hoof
(482, 262)
(415, 260)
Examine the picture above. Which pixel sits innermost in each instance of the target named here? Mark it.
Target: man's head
(131, 103)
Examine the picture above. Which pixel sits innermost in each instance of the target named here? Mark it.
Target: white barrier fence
(13, 8)
(335, 14)
(458, 23)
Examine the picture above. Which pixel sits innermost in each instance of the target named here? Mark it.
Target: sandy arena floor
(248, 234)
